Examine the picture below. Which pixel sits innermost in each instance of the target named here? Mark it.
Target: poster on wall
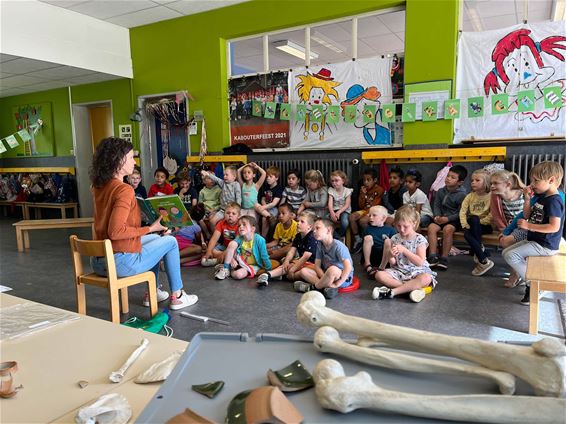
(256, 117)
(359, 87)
(34, 125)
(523, 62)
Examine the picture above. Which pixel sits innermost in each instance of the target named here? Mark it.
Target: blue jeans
(473, 236)
(344, 222)
(154, 248)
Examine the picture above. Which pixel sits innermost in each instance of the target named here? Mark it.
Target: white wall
(44, 32)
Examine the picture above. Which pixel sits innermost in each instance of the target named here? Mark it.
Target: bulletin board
(439, 91)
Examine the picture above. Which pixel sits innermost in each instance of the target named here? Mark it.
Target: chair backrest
(98, 248)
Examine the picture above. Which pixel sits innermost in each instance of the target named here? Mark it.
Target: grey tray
(242, 362)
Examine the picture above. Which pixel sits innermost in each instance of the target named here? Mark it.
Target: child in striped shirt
(294, 193)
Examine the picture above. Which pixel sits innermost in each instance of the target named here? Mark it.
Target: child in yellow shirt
(284, 234)
(475, 218)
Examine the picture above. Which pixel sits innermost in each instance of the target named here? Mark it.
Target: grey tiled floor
(461, 305)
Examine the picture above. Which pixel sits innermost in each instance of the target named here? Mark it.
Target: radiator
(326, 166)
(522, 164)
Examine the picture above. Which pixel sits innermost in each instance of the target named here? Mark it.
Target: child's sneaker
(302, 286)
(417, 295)
(182, 301)
(262, 281)
(162, 295)
(433, 260)
(513, 281)
(481, 269)
(222, 274)
(442, 263)
(208, 262)
(382, 293)
(330, 293)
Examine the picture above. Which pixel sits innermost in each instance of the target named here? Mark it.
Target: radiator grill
(522, 164)
(326, 166)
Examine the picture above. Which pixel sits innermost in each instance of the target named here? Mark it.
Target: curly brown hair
(108, 159)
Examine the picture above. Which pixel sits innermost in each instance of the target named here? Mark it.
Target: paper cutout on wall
(430, 110)
(285, 111)
(475, 107)
(500, 104)
(12, 141)
(333, 115)
(552, 97)
(388, 113)
(409, 112)
(526, 101)
(452, 109)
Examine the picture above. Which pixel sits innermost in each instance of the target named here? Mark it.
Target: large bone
(345, 394)
(327, 339)
(542, 364)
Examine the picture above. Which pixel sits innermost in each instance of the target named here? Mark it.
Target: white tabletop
(53, 360)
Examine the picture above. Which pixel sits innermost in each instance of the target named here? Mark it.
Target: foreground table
(52, 361)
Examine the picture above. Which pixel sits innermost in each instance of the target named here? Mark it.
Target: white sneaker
(417, 295)
(262, 280)
(162, 295)
(481, 269)
(222, 274)
(183, 301)
(208, 262)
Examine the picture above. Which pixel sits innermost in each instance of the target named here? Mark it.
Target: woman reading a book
(137, 249)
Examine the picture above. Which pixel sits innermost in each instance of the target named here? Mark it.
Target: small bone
(345, 394)
(117, 376)
(327, 339)
(542, 364)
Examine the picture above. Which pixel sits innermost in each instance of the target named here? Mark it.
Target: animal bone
(345, 394)
(542, 364)
(327, 339)
(117, 376)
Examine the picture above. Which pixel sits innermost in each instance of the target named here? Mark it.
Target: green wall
(189, 53)
(431, 34)
(62, 132)
(116, 90)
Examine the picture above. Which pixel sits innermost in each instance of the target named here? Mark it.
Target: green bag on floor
(153, 325)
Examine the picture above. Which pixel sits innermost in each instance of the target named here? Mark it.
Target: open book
(170, 208)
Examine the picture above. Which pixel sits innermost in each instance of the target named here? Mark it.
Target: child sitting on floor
(231, 191)
(285, 232)
(370, 195)
(375, 234)
(393, 198)
(246, 254)
(189, 250)
(302, 252)
(186, 191)
(333, 266)
(446, 210)
(406, 253)
(475, 218)
(224, 233)
(250, 189)
(161, 186)
(270, 196)
(209, 196)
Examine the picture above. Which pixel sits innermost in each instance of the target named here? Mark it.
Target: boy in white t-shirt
(415, 197)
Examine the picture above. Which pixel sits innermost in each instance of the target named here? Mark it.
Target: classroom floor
(464, 305)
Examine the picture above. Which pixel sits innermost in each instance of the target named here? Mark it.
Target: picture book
(170, 208)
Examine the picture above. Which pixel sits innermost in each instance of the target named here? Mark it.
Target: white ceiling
(381, 34)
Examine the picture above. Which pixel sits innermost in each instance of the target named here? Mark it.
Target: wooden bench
(487, 239)
(23, 227)
(544, 273)
(61, 206)
(12, 203)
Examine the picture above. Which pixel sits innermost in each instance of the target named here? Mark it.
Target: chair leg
(81, 298)
(152, 289)
(114, 306)
(533, 308)
(124, 298)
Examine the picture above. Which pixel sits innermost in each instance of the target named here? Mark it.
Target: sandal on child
(371, 271)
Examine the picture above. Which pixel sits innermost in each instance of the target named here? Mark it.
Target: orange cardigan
(117, 217)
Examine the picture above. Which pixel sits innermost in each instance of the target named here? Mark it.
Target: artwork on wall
(522, 68)
(256, 116)
(34, 128)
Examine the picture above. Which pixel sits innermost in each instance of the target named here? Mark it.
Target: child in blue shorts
(333, 266)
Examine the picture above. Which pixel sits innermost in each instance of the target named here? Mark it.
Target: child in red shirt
(161, 186)
(226, 229)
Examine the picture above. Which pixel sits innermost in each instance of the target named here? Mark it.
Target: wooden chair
(111, 282)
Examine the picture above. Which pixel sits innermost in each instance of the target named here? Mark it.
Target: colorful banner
(12, 141)
(256, 116)
(352, 85)
(521, 61)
